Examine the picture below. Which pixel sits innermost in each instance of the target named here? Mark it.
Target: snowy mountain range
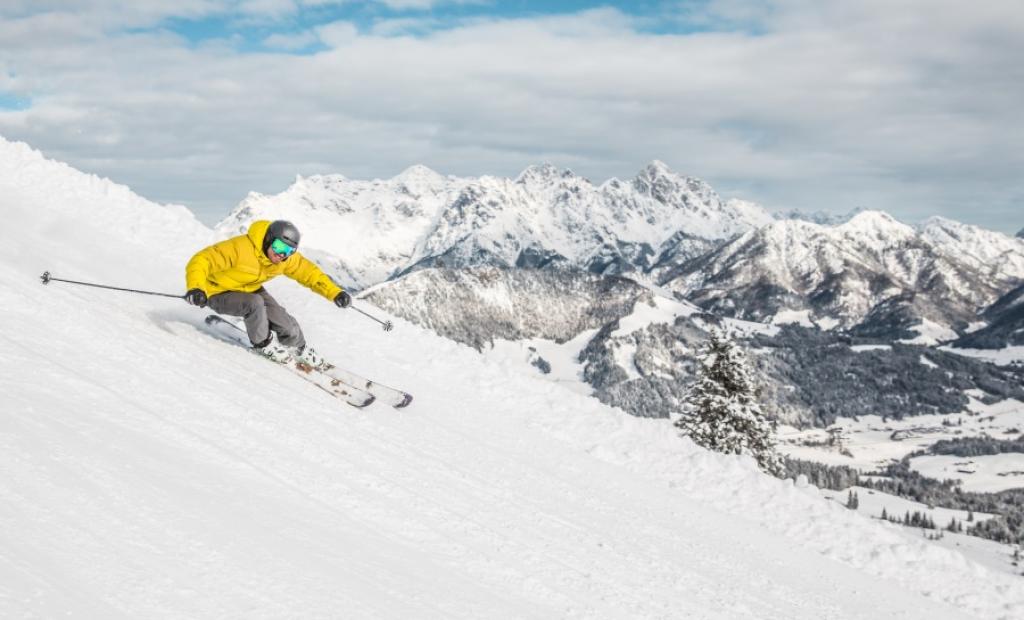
(381, 229)
(635, 347)
(870, 271)
(1003, 324)
(863, 271)
(150, 470)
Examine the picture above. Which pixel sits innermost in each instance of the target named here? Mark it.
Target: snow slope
(148, 470)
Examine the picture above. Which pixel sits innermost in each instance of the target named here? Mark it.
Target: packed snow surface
(148, 470)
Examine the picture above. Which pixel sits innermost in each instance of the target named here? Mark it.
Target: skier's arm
(217, 257)
(303, 271)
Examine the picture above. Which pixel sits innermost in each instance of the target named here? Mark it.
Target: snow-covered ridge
(946, 271)
(66, 204)
(24, 169)
(384, 227)
(824, 218)
(991, 253)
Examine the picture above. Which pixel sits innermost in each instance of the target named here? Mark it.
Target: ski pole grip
(45, 277)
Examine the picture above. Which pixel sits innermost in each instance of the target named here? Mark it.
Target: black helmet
(283, 230)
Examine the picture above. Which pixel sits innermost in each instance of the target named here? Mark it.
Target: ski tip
(365, 403)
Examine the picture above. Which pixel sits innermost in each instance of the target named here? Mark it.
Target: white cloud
(423, 5)
(337, 34)
(408, 4)
(294, 41)
(267, 8)
(399, 26)
(817, 105)
(107, 15)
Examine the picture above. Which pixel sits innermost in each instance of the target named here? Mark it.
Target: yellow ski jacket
(239, 264)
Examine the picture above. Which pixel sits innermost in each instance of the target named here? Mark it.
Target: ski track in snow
(150, 470)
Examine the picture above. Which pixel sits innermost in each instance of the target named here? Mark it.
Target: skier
(229, 275)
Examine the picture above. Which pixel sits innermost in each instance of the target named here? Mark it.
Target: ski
(351, 394)
(392, 396)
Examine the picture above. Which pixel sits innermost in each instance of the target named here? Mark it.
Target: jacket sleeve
(306, 273)
(217, 257)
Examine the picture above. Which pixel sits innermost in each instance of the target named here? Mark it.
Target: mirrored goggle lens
(282, 248)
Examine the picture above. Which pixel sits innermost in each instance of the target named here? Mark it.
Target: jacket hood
(257, 231)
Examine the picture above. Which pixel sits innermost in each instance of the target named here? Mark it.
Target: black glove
(342, 299)
(196, 297)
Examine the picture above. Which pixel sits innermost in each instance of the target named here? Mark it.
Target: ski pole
(47, 278)
(387, 324)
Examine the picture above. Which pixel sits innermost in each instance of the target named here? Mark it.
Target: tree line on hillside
(833, 380)
(975, 446)
(806, 377)
(723, 413)
(899, 480)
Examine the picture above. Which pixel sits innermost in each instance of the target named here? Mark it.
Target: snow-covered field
(872, 503)
(1002, 357)
(930, 333)
(983, 474)
(869, 442)
(150, 471)
(566, 370)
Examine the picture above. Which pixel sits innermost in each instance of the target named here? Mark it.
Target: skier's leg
(249, 306)
(282, 323)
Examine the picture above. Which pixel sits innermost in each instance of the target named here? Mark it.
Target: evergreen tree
(885, 515)
(723, 414)
(852, 501)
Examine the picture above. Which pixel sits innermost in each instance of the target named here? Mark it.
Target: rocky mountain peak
(419, 180)
(544, 174)
(667, 187)
(420, 174)
(875, 228)
(657, 168)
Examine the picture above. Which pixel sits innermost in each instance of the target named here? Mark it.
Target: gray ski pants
(262, 315)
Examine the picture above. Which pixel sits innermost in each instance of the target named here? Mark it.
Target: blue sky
(10, 101)
(910, 107)
(249, 34)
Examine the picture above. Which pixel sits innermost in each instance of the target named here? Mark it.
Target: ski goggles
(282, 248)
